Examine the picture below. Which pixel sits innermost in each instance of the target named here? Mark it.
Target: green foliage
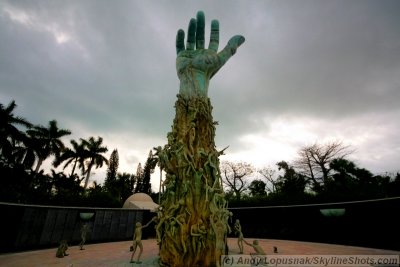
(349, 182)
(138, 179)
(92, 155)
(143, 175)
(76, 155)
(46, 141)
(97, 196)
(291, 182)
(10, 135)
(120, 188)
(67, 190)
(124, 185)
(21, 186)
(15, 184)
(272, 199)
(257, 188)
(112, 170)
(148, 169)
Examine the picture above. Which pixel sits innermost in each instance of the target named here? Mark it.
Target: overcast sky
(309, 71)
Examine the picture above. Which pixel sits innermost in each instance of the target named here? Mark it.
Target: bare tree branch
(268, 174)
(234, 176)
(314, 161)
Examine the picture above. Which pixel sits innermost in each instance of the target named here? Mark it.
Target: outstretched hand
(196, 65)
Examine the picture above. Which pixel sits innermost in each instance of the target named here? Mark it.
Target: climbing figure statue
(238, 231)
(84, 232)
(137, 240)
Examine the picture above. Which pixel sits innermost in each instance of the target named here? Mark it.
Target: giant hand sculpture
(193, 225)
(196, 65)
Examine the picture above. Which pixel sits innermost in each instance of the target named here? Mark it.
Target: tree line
(320, 173)
(25, 146)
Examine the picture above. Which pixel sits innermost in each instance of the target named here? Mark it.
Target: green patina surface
(192, 223)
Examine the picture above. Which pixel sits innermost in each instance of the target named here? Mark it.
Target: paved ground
(118, 254)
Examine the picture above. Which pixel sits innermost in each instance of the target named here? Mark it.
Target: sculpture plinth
(193, 217)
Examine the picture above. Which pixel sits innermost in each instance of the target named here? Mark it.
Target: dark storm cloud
(339, 57)
(108, 69)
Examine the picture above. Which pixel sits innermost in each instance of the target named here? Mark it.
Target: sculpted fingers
(214, 36)
(200, 30)
(195, 35)
(180, 41)
(191, 39)
(228, 51)
(235, 42)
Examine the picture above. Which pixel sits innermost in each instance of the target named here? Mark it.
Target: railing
(26, 227)
(370, 223)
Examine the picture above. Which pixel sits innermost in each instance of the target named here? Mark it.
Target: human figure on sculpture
(220, 230)
(137, 240)
(238, 231)
(198, 233)
(256, 246)
(183, 230)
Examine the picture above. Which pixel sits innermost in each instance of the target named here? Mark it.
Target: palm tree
(9, 133)
(93, 155)
(47, 141)
(75, 155)
(26, 152)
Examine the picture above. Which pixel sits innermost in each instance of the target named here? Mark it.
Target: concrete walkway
(118, 254)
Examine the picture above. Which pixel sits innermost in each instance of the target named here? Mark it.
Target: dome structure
(140, 201)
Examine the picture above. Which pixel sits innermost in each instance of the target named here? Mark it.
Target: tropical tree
(234, 176)
(138, 179)
(66, 191)
(257, 188)
(352, 182)
(112, 170)
(120, 188)
(124, 181)
(25, 152)
(97, 196)
(74, 156)
(47, 141)
(9, 132)
(93, 151)
(148, 169)
(290, 183)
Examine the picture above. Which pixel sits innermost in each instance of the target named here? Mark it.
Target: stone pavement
(117, 253)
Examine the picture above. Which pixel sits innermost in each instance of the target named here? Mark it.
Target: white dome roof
(140, 197)
(140, 201)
